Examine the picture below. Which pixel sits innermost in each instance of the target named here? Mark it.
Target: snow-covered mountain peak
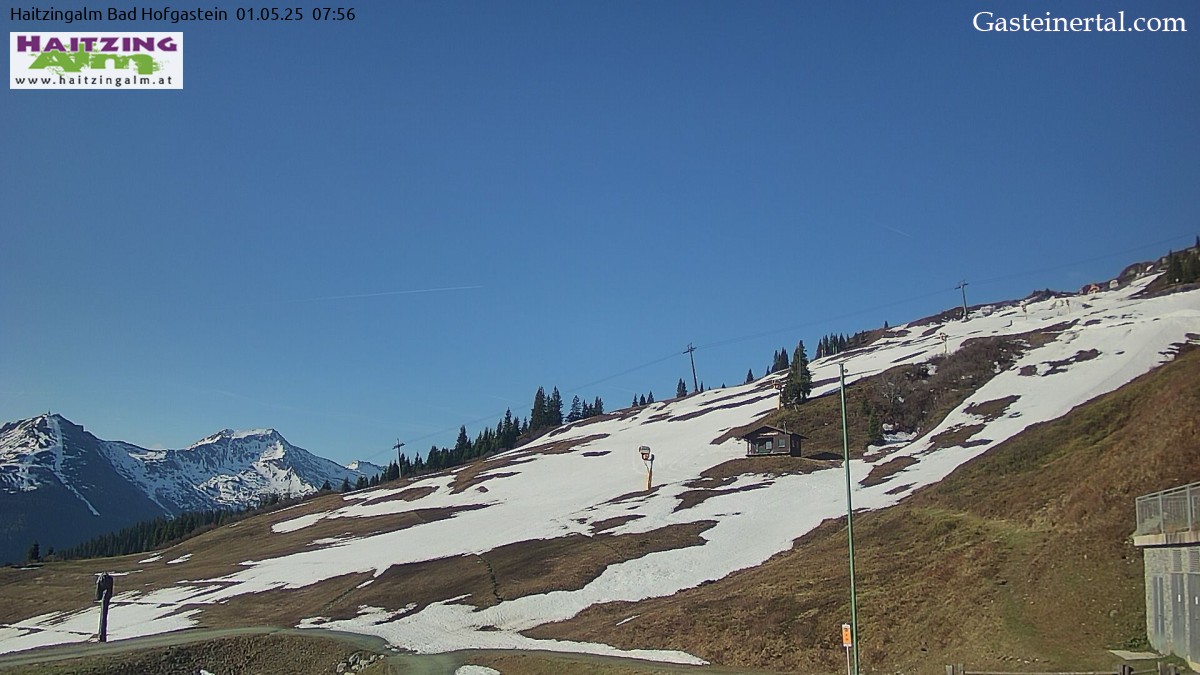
(51, 467)
(23, 438)
(366, 468)
(224, 435)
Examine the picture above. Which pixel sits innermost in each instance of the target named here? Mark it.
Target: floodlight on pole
(648, 459)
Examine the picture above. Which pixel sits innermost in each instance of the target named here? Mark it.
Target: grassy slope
(1020, 557)
(1021, 554)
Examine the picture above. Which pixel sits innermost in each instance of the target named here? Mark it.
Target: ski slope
(591, 472)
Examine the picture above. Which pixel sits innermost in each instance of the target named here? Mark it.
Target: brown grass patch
(727, 406)
(908, 397)
(884, 472)
(1057, 367)
(694, 497)
(409, 495)
(991, 410)
(771, 465)
(610, 523)
(559, 447)
(465, 477)
(983, 568)
(504, 573)
(955, 437)
(623, 413)
(571, 562)
(68, 586)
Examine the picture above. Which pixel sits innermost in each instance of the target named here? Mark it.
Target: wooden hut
(771, 440)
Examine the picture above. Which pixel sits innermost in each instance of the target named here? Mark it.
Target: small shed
(771, 440)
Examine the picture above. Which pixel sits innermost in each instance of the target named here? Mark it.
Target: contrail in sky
(895, 230)
(377, 295)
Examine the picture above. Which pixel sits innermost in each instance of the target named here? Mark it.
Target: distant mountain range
(60, 485)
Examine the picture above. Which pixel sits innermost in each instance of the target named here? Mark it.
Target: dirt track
(267, 651)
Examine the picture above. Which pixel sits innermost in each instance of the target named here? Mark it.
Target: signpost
(847, 642)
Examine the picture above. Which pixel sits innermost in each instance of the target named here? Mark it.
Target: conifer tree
(650, 398)
(799, 381)
(35, 553)
(462, 446)
(1189, 266)
(537, 415)
(554, 409)
(749, 376)
(681, 389)
(510, 430)
(577, 410)
(326, 487)
(598, 406)
(1174, 268)
(642, 400)
(874, 429)
(345, 485)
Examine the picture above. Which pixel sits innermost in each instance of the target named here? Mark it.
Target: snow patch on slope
(1112, 338)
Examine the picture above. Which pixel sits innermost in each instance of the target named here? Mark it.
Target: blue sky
(602, 182)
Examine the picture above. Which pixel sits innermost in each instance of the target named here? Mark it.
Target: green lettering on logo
(74, 63)
(68, 62)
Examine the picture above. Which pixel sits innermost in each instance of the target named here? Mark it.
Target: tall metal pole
(695, 384)
(849, 517)
(962, 286)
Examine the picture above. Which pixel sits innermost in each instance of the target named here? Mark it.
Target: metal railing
(1174, 510)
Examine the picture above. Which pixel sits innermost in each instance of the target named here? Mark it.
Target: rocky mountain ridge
(60, 484)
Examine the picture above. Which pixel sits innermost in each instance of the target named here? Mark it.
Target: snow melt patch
(181, 559)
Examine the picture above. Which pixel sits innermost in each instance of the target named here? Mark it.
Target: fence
(1160, 668)
(1174, 510)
